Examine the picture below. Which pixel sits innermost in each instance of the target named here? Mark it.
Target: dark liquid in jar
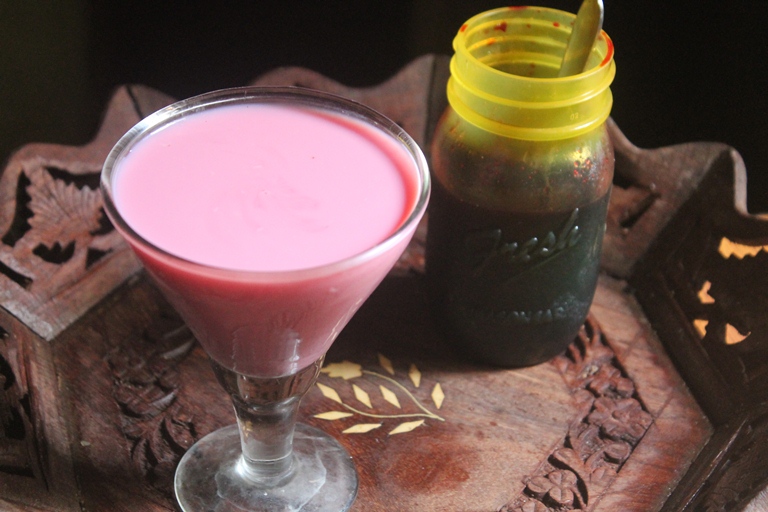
(512, 288)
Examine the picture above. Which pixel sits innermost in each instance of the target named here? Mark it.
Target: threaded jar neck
(504, 75)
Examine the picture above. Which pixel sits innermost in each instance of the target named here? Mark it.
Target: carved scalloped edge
(660, 180)
(381, 97)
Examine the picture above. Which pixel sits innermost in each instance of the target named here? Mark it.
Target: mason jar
(522, 170)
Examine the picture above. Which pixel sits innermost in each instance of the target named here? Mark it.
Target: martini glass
(267, 332)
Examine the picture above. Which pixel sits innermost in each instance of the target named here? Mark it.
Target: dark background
(687, 71)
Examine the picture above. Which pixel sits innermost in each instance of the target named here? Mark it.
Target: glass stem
(266, 437)
(266, 411)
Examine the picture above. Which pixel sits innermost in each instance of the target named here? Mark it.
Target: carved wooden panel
(704, 285)
(35, 449)
(650, 186)
(141, 392)
(54, 233)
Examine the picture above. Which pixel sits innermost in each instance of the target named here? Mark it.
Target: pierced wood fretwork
(59, 254)
(704, 285)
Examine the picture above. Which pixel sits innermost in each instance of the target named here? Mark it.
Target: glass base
(210, 477)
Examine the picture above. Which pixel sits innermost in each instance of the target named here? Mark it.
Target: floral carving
(146, 383)
(533, 506)
(62, 212)
(55, 232)
(611, 422)
(622, 419)
(559, 487)
(58, 217)
(609, 381)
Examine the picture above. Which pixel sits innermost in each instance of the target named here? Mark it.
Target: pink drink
(265, 217)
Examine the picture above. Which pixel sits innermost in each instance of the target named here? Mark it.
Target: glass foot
(210, 477)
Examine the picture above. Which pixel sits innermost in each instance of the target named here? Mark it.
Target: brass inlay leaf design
(329, 393)
(386, 364)
(345, 370)
(438, 396)
(415, 375)
(361, 428)
(406, 427)
(362, 396)
(392, 391)
(333, 415)
(389, 396)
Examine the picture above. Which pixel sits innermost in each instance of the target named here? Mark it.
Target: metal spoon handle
(589, 21)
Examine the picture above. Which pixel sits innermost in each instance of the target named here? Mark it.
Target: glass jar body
(514, 238)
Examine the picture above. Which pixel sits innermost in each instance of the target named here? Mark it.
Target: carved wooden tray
(659, 404)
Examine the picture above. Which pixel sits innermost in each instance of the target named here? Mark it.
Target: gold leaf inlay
(329, 392)
(361, 395)
(333, 415)
(415, 375)
(438, 396)
(386, 364)
(361, 428)
(389, 396)
(406, 427)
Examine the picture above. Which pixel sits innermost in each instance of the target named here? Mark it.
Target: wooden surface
(659, 404)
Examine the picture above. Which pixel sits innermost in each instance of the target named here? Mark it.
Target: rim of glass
(297, 96)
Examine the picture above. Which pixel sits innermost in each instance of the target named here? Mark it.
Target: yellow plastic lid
(504, 75)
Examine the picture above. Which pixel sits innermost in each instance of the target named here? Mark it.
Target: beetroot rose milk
(265, 216)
